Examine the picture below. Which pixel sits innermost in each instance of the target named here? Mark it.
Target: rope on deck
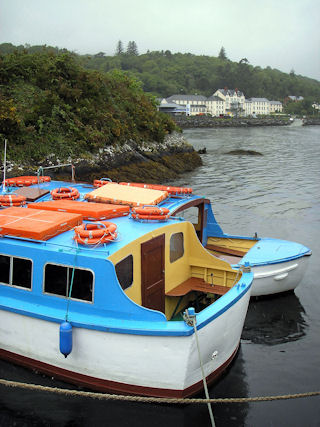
(105, 396)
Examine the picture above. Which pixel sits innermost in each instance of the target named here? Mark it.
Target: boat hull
(280, 277)
(151, 365)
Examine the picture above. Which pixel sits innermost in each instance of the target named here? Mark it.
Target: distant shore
(311, 121)
(187, 122)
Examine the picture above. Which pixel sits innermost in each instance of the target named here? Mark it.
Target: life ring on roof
(100, 182)
(12, 200)
(151, 212)
(25, 181)
(96, 233)
(65, 193)
(170, 190)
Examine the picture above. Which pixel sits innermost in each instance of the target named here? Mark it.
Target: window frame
(69, 267)
(11, 257)
(183, 247)
(127, 256)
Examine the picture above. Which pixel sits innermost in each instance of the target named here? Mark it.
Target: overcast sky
(282, 34)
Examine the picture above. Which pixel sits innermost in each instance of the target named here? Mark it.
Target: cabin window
(15, 271)
(58, 280)
(124, 271)
(176, 246)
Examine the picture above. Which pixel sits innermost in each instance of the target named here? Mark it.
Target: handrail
(41, 169)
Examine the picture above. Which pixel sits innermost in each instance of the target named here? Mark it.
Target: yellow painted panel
(232, 243)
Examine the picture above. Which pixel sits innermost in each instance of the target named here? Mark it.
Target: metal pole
(4, 166)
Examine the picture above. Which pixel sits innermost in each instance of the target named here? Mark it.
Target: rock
(244, 153)
(186, 122)
(149, 161)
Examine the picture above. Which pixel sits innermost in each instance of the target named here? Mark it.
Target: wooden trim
(225, 250)
(192, 203)
(199, 285)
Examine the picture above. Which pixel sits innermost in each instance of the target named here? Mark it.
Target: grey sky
(283, 34)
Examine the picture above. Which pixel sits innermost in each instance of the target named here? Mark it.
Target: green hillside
(50, 104)
(164, 74)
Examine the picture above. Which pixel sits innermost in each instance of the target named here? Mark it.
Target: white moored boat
(107, 305)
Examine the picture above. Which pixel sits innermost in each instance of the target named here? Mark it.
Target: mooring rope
(143, 399)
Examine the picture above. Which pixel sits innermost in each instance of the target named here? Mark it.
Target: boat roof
(63, 215)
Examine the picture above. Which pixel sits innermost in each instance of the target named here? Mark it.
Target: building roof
(259, 100)
(296, 98)
(215, 98)
(231, 92)
(179, 97)
(275, 103)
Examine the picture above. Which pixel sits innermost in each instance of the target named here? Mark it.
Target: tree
(222, 54)
(119, 48)
(132, 48)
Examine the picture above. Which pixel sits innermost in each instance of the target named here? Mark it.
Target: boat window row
(64, 281)
(71, 282)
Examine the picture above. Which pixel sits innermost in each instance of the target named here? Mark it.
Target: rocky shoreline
(311, 121)
(148, 162)
(187, 122)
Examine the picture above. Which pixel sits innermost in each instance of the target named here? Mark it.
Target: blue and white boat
(99, 293)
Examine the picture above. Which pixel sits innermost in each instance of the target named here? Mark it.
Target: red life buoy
(100, 182)
(170, 190)
(12, 200)
(25, 181)
(95, 233)
(151, 212)
(65, 193)
(152, 217)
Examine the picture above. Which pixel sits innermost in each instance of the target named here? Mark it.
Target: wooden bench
(196, 284)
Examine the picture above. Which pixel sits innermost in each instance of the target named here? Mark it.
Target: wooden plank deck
(196, 284)
(225, 250)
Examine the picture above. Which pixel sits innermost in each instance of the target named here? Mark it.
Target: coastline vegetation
(49, 104)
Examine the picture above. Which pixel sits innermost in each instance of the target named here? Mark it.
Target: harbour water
(276, 194)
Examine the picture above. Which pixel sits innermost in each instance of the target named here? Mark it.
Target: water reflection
(274, 320)
(232, 384)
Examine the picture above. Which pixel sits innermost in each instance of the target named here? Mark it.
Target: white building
(197, 102)
(216, 106)
(260, 106)
(275, 107)
(226, 101)
(234, 100)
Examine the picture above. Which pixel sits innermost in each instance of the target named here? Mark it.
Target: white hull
(281, 277)
(155, 362)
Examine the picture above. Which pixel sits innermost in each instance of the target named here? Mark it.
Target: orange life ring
(170, 190)
(152, 217)
(65, 193)
(100, 182)
(151, 212)
(95, 233)
(25, 181)
(12, 200)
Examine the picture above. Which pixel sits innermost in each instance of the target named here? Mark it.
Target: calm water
(276, 195)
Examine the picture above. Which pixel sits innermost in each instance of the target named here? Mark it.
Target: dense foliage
(164, 74)
(50, 104)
